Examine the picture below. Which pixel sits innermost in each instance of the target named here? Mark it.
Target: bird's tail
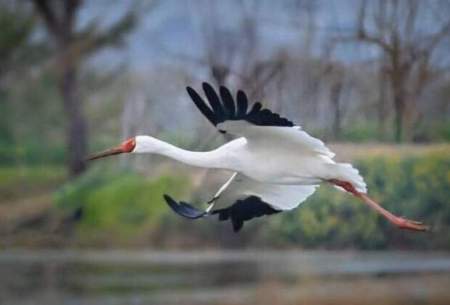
(346, 172)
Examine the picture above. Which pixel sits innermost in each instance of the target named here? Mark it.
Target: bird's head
(137, 144)
(127, 146)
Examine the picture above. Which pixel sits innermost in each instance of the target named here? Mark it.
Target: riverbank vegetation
(76, 77)
(110, 207)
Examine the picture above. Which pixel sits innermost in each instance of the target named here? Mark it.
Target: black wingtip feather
(201, 105)
(184, 209)
(227, 100)
(255, 109)
(214, 101)
(242, 103)
(224, 108)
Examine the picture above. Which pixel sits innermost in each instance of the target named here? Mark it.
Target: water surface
(210, 277)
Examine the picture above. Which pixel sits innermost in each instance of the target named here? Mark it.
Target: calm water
(253, 277)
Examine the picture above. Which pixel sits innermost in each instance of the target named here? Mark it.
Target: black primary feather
(201, 105)
(242, 104)
(228, 101)
(214, 101)
(222, 107)
(184, 209)
(255, 109)
(244, 210)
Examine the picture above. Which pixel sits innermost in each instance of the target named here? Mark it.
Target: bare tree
(407, 49)
(231, 55)
(73, 45)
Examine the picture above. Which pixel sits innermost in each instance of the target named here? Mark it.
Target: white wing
(241, 199)
(286, 136)
(258, 125)
(294, 155)
(280, 197)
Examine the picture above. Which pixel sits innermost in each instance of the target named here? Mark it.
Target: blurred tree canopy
(351, 71)
(72, 45)
(17, 26)
(408, 53)
(51, 78)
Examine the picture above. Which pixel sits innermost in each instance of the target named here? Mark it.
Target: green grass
(120, 203)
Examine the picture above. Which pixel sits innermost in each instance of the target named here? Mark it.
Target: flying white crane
(275, 164)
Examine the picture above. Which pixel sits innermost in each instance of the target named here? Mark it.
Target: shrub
(417, 187)
(119, 202)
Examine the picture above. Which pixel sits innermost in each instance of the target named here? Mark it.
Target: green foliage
(17, 25)
(31, 153)
(122, 206)
(438, 132)
(119, 202)
(129, 206)
(418, 188)
(10, 176)
(360, 132)
(20, 181)
(34, 131)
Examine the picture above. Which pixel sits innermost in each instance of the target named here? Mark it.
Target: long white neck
(209, 159)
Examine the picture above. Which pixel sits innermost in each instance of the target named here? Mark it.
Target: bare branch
(50, 19)
(436, 38)
(89, 40)
(70, 11)
(363, 35)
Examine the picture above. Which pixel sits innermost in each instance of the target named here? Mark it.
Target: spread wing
(241, 199)
(258, 125)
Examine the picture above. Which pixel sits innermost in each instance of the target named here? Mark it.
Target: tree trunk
(335, 100)
(76, 124)
(399, 107)
(382, 112)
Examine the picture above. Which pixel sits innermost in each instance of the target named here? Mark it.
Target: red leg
(400, 222)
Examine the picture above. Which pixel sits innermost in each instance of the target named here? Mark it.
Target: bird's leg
(400, 222)
(217, 195)
(211, 205)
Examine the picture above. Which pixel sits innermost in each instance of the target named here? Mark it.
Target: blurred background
(371, 78)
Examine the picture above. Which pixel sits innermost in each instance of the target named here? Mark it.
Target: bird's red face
(126, 147)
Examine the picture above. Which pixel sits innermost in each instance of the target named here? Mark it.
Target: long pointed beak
(109, 152)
